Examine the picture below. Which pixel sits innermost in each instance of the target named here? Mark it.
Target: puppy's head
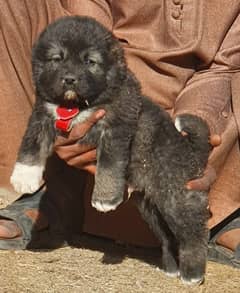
(75, 61)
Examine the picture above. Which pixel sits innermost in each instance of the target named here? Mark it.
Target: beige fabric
(20, 23)
(183, 52)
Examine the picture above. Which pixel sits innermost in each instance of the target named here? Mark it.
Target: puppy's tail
(196, 130)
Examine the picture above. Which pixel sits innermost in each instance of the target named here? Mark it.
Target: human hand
(79, 155)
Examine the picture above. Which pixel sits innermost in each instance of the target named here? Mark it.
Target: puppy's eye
(89, 61)
(56, 57)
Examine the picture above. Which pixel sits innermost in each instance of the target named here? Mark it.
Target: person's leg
(16, 91)
(224, 199)
(20, 23)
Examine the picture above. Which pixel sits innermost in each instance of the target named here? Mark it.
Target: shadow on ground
(101, 265)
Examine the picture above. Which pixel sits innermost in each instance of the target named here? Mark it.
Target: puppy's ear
(115, 48)
(117, 70)
(117, 54)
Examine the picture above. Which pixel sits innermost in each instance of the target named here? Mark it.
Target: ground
(101, 265)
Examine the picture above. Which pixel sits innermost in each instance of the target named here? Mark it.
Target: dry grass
(100, 265)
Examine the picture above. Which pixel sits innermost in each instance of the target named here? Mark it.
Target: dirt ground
(100, 265)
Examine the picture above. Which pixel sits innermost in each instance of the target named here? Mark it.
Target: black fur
(137, 142)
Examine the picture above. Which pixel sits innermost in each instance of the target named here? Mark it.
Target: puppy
(79, 67)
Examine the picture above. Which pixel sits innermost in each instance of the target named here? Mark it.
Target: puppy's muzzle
(69, 80)
(70, 95)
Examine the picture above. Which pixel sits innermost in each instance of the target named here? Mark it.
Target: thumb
(80, 129)
(203, 183)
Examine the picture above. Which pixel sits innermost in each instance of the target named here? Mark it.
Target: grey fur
(137, 142)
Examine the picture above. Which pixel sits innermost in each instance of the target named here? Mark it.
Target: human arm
(208, 95)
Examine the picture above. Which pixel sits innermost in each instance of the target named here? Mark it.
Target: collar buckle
(65, 117)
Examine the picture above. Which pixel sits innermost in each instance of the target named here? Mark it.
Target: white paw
(192, 282)
(26, 178)
(104, 207)
(173, 274)
(168, 274)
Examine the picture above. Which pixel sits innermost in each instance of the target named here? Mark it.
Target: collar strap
(65, 117)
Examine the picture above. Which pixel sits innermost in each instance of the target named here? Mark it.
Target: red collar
(65, 117)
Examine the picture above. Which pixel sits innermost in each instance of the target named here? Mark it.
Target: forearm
(207, 96)
(208, 92)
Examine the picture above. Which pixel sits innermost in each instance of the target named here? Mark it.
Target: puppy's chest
(65, 119)
(93, 134)
(81, 116)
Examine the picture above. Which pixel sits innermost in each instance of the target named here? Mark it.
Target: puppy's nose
(69, 79)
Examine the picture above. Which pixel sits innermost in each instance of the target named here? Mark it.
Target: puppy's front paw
(26, 178)
(106, 203)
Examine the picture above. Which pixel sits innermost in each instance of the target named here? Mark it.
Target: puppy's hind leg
(192, 260)
(193, 237)
(157, 224)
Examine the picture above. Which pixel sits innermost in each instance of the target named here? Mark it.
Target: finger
(91, 168)
(82, 160)
(183, 133)
(215, 140)
(80, 129)
(9, 229)
(67, 152)
(64, 141)
(198, 184)
(204, 182)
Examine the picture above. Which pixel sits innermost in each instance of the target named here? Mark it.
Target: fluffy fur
(77, 62)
